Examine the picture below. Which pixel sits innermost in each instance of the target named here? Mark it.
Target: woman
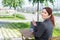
(48, 23)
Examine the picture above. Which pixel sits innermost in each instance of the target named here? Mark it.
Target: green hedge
(22, 25)
(18, 16)
(56, 14)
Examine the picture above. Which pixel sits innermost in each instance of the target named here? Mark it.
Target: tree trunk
(15, 13)
(38, 11)
(10, 7)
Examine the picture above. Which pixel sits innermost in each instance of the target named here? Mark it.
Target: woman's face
(44, 14)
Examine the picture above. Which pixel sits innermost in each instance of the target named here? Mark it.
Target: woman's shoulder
(48, 24)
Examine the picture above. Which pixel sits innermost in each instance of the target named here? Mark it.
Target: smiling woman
(43, 30)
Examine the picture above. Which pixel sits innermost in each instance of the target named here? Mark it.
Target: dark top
(43, 29)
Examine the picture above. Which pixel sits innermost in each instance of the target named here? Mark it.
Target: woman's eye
(42, 12)
(45, 12)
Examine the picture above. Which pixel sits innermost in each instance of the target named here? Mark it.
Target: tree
(38, 2)
(51, 1)
(12, 3)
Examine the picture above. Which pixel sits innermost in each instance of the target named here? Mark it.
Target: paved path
(57, 22)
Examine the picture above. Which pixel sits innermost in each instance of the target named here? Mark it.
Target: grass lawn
(56, 32)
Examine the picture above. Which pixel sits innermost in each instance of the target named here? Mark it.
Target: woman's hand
(34, 23)
(31, 32)
(50, 39)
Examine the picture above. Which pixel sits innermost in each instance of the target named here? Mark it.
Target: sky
(28, 4)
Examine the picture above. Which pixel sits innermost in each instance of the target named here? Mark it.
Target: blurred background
(16, 15)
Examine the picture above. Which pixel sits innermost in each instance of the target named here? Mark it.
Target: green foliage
(12, 3)
(41, 1)
(36, 1)
(52, 1)
(20, 16)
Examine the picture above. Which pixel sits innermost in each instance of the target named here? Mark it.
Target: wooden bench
(26, 35)
(56, 38)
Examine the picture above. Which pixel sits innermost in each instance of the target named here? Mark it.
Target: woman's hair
(49, 10)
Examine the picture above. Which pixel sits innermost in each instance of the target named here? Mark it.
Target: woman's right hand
(34, 23)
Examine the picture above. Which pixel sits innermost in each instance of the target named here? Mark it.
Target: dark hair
(49, 10)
